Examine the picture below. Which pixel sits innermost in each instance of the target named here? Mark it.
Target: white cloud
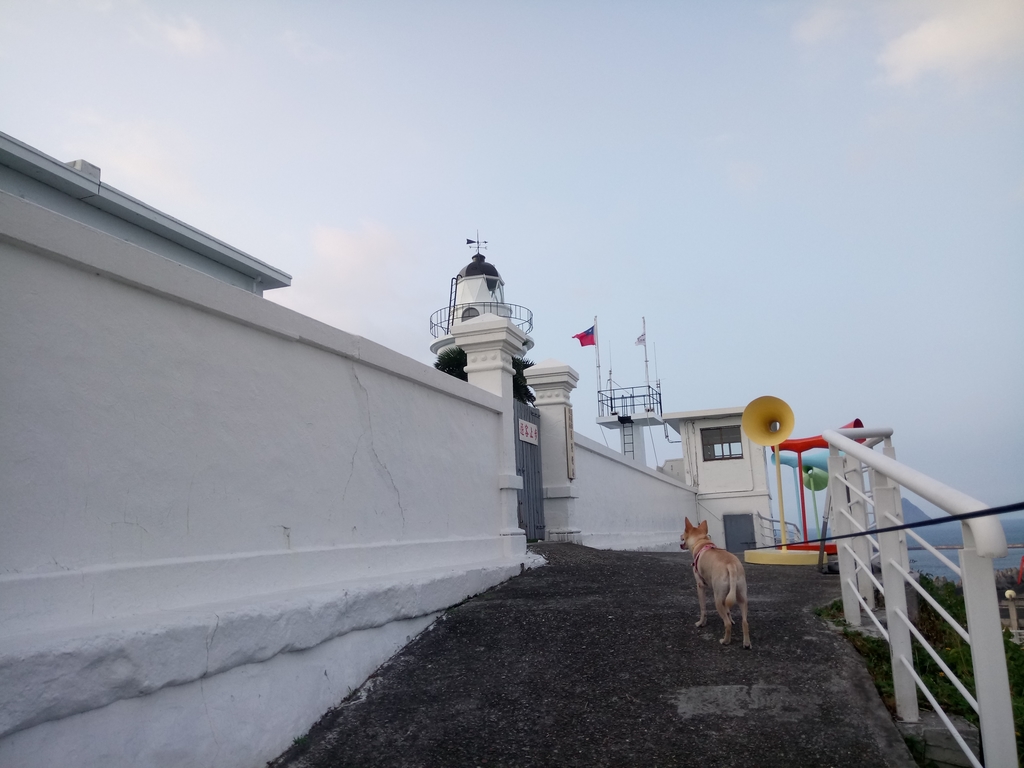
(97, 6)
(956, 40)
(824, 22)
(187, 36)
(304, 49)
(138, 157)
(183, 35)
(365, 282)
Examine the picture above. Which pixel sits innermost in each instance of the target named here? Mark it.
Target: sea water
(950, 533)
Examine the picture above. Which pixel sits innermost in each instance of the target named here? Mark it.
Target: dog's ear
(703, 527)
(689, 525)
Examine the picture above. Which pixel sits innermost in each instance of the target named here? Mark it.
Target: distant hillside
(947, 533)
(912, 513)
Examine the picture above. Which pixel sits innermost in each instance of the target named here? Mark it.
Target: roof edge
(710, 413)
(48, 170)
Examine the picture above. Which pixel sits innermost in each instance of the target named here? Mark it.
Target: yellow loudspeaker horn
(768, 420)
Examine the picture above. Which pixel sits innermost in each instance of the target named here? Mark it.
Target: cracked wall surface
(203, 492)
(142, 432)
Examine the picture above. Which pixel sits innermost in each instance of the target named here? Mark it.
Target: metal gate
(531, 497)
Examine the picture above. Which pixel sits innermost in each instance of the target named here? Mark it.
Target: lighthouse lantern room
(477, 290)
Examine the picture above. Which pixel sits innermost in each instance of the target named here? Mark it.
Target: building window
(721, 443)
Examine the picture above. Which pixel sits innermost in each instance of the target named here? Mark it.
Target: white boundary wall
(622, 505)
(219, 515)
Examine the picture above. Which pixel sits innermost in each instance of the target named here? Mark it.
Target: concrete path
(594, 660)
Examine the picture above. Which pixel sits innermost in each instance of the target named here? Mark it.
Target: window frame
(723, 441)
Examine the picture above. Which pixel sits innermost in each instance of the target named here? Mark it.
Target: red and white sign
(528, 432)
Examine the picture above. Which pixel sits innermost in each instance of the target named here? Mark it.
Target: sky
(821, 201)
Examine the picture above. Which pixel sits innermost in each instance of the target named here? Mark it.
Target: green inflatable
(815, 480)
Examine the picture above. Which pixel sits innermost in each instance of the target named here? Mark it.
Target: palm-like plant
(452, 360)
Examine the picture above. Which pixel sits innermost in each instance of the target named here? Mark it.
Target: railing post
(861, 545)
(998, 740)
(890, 451)
(841, 526)
(886, 497)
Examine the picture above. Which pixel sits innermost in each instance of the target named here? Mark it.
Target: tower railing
(860, 507)
(624, 401)
(441, 321)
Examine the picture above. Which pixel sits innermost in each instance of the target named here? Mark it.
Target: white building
(729, 473)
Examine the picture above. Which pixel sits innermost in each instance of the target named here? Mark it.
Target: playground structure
(769, 421)
(811, 472)
(813, 475)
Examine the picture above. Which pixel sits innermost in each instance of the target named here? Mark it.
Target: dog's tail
(730, 599)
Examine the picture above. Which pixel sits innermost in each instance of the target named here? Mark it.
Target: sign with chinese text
(528, 433)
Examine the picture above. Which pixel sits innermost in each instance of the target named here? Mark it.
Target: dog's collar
(696, 557)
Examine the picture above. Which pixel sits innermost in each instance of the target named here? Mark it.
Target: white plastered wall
(622, 505)
(196, 480)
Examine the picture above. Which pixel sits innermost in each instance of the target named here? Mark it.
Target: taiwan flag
(587, 337)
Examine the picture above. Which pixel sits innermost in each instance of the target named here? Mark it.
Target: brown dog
(724, 572)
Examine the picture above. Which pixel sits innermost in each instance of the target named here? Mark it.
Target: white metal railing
(792, 533)
(767, 525)
(857, 505)
(770, 531)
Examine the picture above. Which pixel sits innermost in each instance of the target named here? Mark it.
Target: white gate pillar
(553, 381)
(490, 343)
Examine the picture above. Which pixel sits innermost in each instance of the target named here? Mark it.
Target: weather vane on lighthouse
(478, 243)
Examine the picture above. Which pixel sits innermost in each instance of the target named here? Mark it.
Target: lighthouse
(477, 290)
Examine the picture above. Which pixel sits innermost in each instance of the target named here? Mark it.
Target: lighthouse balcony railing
(441, 321)
(869, 503)
(626, 401)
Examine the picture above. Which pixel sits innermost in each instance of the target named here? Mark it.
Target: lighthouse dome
(479, 266)
(485, 275)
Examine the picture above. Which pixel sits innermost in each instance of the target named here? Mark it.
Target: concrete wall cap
(552, 373)
(487, 330)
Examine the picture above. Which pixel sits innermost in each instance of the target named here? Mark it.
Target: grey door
(531, 497)
(739, 532)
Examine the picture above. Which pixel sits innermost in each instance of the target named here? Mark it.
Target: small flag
(586, 338)
(641, 340)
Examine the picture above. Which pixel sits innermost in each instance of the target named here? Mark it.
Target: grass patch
(833, 612)
(950, 647)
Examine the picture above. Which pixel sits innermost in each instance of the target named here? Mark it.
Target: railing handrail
(989, 539)
(442, 319)
(984, 540)
(644, 396)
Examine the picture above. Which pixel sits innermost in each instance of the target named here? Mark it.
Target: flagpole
(597, 354)
(647, 373)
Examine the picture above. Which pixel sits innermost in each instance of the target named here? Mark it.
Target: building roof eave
(710, 413)
(52, 172)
